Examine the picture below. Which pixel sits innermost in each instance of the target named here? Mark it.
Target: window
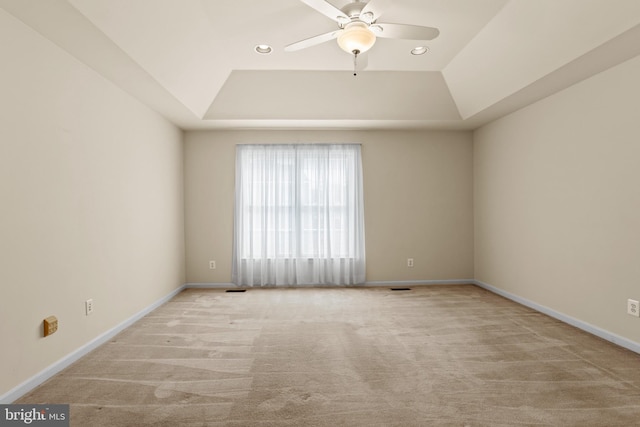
(299, 215)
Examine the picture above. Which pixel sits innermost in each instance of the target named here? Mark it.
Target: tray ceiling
(194, 62)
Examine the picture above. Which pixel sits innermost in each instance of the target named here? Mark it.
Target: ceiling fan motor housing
(352, 10)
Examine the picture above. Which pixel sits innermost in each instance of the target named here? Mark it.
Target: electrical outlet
(409, 262)
(88, 306)
(212, 265)
(633, 307)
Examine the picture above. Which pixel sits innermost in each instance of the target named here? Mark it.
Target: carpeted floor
(432, 356)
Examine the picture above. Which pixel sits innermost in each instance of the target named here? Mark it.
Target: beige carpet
(432, 356)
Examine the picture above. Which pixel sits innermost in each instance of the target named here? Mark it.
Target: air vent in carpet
(400, 289)
(236, 290)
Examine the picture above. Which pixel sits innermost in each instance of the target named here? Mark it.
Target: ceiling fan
(358, 27)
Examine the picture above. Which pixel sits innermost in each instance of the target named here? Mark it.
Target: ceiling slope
(334, 95)
(528, 40)
(64, 26)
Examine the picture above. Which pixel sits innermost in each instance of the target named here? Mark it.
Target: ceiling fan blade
(376, 7)
(312, 41)
(405, 31)
(327, 9)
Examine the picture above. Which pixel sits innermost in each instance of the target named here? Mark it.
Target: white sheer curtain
(299, 216)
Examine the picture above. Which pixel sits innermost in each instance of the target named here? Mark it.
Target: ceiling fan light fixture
(356, 36)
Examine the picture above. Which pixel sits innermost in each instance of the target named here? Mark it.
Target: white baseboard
(420, 282)
(58, 366)
(594, 330)
(380, 283)
(216, 285)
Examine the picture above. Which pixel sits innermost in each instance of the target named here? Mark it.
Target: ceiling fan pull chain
(355, 62)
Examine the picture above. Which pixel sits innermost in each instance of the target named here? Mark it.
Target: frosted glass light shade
(356, 36)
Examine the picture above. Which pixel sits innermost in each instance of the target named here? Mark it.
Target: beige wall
(557, 201)
(99, 195)
(92, 204)
(418, 200)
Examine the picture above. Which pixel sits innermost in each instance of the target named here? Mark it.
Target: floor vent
(236, 290)
(400, 289)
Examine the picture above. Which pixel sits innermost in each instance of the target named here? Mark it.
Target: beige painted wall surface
(557, 201)
(418, 200)
(92, 204)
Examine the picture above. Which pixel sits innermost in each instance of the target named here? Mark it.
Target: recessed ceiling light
(420, 50)
(263, 49)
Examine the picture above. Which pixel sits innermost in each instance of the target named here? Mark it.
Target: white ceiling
(193, 60)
